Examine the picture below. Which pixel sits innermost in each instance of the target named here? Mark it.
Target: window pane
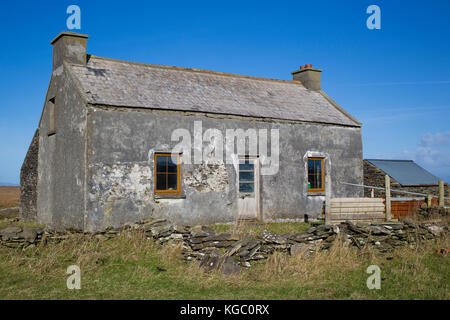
(161, 163)
(310, 166)
(319, 174)
(318, 181)
(318, 167)
(246, 165)
(172, 182)
(246, 187)
(311, 181)
(246, 176)
(172, 167)
(161, 182)
(315, 174)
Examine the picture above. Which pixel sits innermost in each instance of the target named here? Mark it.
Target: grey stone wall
(376, 177)
(46, 153)
(61, 172)
(28, 181)
(120, 186)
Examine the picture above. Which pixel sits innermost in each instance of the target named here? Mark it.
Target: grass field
(126, 267)
(255, 229)
(9, 197)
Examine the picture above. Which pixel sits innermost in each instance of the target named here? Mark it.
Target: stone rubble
(229, 253)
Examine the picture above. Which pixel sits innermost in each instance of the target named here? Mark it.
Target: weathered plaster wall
(46, 162)
(61, 173)
(28, 181)
(120, 186)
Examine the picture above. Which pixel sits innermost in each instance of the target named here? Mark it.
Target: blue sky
(396, 80)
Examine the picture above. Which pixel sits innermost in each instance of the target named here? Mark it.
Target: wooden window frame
(322, 160)
(178, 191)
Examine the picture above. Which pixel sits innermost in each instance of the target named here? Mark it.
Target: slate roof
(129, 84)
(406, 172)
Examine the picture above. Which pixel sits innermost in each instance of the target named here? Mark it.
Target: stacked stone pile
(214, 249)
(425, 212)
(17, 237)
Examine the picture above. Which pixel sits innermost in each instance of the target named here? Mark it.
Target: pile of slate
(427, 212)
(18, 237)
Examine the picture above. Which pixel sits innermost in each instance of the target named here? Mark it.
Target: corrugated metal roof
(406, 172)
(129, 84)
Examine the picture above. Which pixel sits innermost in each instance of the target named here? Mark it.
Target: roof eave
(339, 108)
(142, 108)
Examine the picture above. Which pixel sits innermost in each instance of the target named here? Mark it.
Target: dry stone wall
(229, 253)
(28, 181)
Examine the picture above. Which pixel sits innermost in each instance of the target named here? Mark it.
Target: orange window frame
(178, 190)
(322, 176)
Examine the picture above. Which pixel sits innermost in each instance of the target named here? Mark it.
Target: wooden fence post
(441, 193)
(387, 182)
(429, 201)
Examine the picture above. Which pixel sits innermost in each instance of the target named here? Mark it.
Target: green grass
(6, 222)
(126, 268)
(256, 229)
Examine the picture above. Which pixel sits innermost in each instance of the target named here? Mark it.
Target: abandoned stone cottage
(105, 152)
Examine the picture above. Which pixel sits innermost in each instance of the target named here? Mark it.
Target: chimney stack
(70, 47)
(309, 77)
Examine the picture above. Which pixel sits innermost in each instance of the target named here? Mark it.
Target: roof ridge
(195, 70)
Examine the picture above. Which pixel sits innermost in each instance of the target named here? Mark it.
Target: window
(167, 173)
(246, 176)
(315, 175)
(51, 117)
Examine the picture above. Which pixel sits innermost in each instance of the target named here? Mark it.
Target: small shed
(405, 175)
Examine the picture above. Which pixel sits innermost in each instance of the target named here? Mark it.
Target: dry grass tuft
(254, 229)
